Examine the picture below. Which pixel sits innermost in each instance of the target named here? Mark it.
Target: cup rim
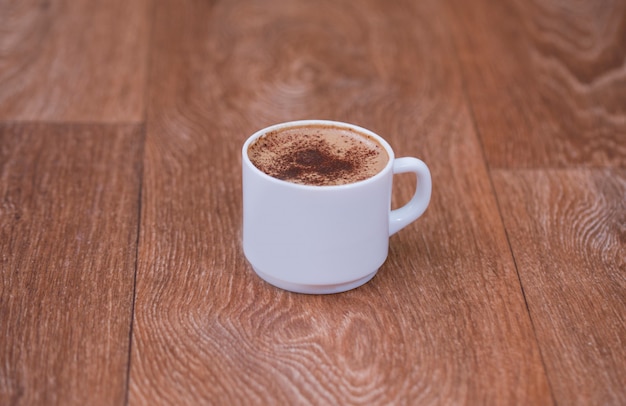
(300, 123)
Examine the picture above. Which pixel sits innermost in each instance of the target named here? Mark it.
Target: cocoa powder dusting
(318, 155)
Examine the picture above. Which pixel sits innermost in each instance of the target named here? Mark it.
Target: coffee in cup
(318, 155)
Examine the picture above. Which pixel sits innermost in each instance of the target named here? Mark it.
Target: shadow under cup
(322, 239)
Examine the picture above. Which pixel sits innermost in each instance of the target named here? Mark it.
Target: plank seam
(470, 108)
(142, 154)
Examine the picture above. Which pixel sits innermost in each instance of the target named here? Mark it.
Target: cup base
(315, 289)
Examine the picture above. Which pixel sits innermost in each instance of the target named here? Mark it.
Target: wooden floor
(122, 277)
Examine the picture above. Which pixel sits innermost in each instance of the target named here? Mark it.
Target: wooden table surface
(122, 276)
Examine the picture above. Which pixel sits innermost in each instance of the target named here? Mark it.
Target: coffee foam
(319, 155)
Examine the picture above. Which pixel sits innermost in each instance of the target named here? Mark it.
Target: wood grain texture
(546, 80)
(68, 234)
(443, 322)
(568, 234)
(76, 60)
(514, 297)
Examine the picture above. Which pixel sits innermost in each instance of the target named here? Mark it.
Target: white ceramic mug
(324, 239)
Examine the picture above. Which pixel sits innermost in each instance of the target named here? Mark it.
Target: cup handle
(400, 218)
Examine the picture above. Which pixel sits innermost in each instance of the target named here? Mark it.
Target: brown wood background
(122, 278)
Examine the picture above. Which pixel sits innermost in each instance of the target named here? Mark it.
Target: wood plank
(567, 230)
(443, 322)
(73, 60)
(69, 198)
(546, 80)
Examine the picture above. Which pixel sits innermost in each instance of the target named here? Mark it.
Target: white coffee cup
(324, 239)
